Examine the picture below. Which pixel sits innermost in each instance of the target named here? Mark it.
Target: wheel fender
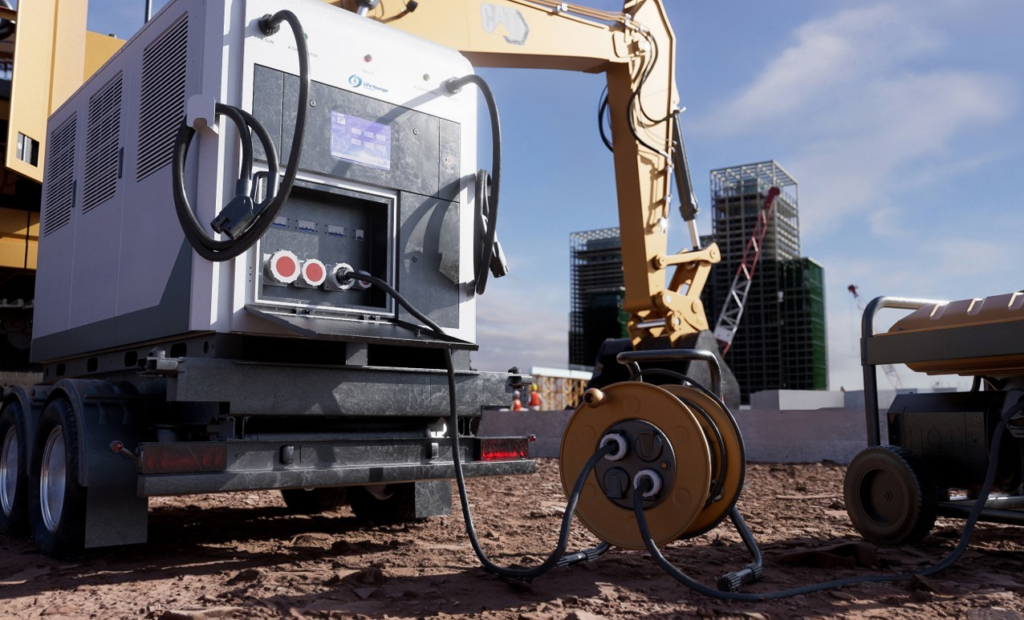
(104, 411)
(32, 401)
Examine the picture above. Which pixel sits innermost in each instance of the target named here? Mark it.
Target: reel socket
(679, 435)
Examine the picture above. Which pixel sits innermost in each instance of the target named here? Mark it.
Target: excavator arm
(635, 49)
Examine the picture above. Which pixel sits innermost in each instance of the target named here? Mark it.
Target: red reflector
(285, 266)
(504, 448)
(182, 458)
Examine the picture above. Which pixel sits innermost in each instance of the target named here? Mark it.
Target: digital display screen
(359, 140)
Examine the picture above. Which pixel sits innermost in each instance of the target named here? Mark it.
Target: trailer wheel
(889, 495)
(56, 499)
(395, 503)
(13, 471)
(313, 501)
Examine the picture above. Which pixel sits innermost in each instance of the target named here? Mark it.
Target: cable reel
(678, 437)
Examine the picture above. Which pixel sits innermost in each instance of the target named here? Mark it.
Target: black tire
(13, 471)
(889, 495)
(313, 501)
(57, 518)
(398, 507)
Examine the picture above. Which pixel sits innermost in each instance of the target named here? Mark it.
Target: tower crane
(732, 311)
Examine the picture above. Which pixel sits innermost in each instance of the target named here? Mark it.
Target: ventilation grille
(60, 175)
(163, 98)
(102, 139)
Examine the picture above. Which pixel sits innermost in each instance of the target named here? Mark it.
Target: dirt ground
(243, 555)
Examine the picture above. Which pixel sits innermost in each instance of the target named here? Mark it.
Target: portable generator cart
(939, 448)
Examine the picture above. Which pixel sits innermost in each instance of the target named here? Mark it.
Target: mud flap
(433, 498)
(115, 515)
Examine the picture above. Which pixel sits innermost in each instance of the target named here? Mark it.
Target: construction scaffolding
(559, 388)
(596, 294)
(761, 349)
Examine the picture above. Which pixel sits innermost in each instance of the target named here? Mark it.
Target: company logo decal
(357, 82)
(513, 22)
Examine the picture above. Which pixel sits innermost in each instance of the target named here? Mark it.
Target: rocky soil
(244, 555)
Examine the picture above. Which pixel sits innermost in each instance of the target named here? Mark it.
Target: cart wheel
(395, 503)
(56, 499)
(13, 471)
(313, 501)
(889, 495)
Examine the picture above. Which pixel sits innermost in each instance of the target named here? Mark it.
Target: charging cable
(242, 221)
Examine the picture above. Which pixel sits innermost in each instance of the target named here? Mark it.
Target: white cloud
(851, 110)
(521, 324)
(827, 54)
(889, 125)
(870, 109)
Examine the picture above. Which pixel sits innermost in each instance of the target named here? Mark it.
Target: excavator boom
(635, 49)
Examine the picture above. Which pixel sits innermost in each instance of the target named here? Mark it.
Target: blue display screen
(359, 140)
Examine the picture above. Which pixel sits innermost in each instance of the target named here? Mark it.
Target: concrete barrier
(769, 436)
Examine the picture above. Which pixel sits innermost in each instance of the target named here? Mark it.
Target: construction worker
(534, 398)
(517, 403)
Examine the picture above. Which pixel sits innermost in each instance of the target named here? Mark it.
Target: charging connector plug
(235, 217)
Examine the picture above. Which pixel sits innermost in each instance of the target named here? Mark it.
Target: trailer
(176, 361)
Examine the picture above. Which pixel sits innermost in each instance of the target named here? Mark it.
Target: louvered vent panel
(163, 98)
(102, 139)
(60, 175)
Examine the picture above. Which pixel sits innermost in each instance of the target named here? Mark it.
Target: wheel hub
(9, 470)
(52, 479)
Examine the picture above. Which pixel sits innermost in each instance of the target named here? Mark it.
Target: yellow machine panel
(52, 57)
(98, 50)
(19, 238)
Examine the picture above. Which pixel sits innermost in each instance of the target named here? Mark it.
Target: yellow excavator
(634, 48)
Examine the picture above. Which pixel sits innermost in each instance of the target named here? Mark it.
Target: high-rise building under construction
(780, 342)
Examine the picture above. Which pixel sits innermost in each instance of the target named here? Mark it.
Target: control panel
(321, 234)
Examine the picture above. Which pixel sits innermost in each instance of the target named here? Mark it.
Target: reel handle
(631, 360)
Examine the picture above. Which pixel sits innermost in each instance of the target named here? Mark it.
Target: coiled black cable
(953, 556)
(491, 189)
(204, 244)
(602, 111)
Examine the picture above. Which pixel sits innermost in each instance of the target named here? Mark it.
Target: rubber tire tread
(313, 501)
(399, 508)
(926, 500)
(68, 541)
(16, 523)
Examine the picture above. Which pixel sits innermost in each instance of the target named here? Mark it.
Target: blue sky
(902, 121)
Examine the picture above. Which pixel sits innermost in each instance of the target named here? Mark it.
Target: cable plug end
(268, 25)
(234, 218)
(453, 85)
(732, 582)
